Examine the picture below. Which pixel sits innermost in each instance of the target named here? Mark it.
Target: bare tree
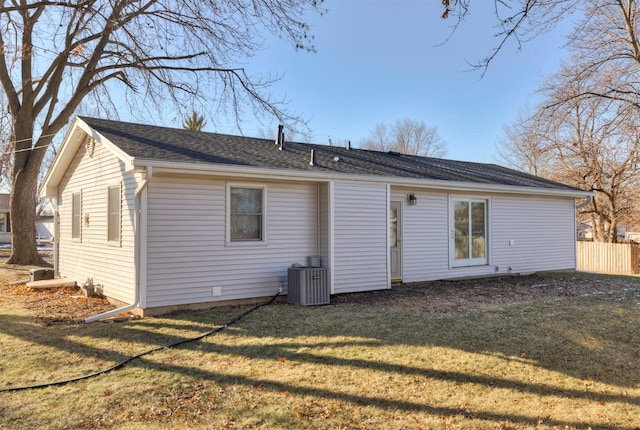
(605, 49)
(517, 21)
(597, 146)
(599, 86)
(55, 55)
(407, 137)
(590, 114)
(592, 144)
(524, 146)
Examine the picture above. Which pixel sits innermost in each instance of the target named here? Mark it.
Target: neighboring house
(585, 232)
(44, 222)
(162, 218)
(5, 220)
(632, 236)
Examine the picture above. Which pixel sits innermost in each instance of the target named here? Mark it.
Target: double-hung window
(246, 213)
(469, 231)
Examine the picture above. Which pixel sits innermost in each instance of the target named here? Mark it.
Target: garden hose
(150, 351)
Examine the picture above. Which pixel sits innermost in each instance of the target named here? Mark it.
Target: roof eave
(70, 144)
(169, 167)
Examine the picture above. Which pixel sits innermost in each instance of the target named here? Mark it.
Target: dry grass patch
(548, 351)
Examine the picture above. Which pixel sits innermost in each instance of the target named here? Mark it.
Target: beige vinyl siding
(323, 214)
(92, 256)
(541, 231)
(360, 237)
(188, 259)
(425, 236)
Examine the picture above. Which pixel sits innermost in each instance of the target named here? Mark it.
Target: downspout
(56, 235)
(583, 204)
(137, 244)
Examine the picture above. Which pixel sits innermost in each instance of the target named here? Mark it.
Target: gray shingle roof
(178, 145)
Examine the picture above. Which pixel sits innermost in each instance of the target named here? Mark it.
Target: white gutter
(177, 168)
(137, 244)
(583, 204)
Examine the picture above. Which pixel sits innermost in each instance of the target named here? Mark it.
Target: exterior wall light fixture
(412, 199)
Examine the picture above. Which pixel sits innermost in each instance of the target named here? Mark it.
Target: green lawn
(550, 351)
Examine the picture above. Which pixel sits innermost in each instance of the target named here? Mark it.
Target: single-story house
(45, 225)
(44, 222)
(161, 219)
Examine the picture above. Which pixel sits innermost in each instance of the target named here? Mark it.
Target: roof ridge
(152, 142)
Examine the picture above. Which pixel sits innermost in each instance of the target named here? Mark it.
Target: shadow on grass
(378, 402)
(575, 340)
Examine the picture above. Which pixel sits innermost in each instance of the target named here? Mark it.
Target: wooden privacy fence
(615, 258)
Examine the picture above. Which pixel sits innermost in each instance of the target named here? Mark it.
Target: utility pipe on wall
(56, 234)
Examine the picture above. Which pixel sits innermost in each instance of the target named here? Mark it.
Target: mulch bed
(56, 305)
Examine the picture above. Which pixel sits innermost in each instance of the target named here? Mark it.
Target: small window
(3, 222)
(246, 214)
(469, 232)
(76, 216)
(113, 224)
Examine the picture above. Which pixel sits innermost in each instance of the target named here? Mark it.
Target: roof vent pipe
(282, 141)
(312, 162)
(279, 136)
(348, 145)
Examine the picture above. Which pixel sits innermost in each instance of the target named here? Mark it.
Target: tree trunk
(23, 216)
(28, 157)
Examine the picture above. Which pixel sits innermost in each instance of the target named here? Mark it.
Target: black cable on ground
(150, 351)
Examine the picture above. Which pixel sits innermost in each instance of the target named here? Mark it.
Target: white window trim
(228, 241)
(119, 241)
(469, 262)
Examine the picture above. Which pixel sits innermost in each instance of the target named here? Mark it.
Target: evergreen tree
(193, 122)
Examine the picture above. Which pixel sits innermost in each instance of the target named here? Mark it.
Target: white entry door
(395, 240)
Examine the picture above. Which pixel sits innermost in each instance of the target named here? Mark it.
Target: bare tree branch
(55, 54)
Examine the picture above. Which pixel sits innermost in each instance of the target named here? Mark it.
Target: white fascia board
(70, 144)
(296, 175)
(117, 152)
(60, 163)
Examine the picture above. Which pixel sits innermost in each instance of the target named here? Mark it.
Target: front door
(395, 240)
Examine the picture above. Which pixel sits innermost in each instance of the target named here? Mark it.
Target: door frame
(399, 224)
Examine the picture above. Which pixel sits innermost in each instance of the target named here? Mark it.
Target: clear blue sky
(384, 60)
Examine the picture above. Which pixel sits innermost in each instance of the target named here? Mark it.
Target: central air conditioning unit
(308, 286)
